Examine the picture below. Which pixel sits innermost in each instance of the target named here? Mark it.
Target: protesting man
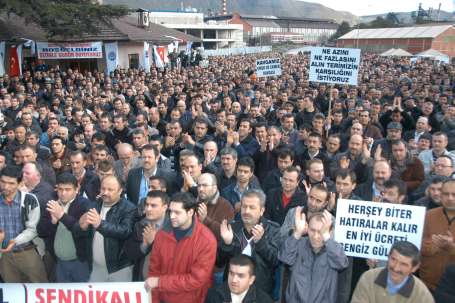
(395, 282)
(183, 255)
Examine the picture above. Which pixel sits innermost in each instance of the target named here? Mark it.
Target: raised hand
(202, 211)
(344, 162)
(226, 232)
(258, 232)
(300, 223)
(148, 235)
(378, 153)
(327, 222)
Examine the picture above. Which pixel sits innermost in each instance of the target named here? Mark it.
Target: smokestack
(224, 7)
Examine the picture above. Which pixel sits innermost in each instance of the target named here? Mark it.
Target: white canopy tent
(295, 51)
(397, 52)
(434, 54)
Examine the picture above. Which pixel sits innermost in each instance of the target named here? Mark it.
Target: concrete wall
(126, 48)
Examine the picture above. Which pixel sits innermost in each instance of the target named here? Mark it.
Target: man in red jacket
(183, 255)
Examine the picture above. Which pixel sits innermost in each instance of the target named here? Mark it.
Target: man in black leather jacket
(110, 224)
(254, 236)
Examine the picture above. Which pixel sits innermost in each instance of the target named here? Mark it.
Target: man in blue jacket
(57, 226)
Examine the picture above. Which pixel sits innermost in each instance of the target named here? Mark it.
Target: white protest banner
(146, 57)
(268, 67)
(111, 52)
(131, 292)
(2, 57)
(84, 50)
(334, 65)
(368, 229)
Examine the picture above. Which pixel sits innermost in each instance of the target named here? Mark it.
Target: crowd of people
(213, 185)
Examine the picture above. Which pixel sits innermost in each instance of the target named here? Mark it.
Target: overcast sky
(373, 7)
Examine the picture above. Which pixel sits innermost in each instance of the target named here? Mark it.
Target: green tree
(64, 17)
(343, 29)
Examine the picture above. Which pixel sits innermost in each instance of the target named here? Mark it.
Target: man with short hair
(394, 132)
(252, 235)
(35, 184)
(127, 160)
(226, 174)
(191, 171)
(28, 154)
(138, 178)
(357, 158)
(211, 162)
(240, 285)
(243, 140)
(85, 177)
(315, 175)
(374, 190)
(438, 244)
(280, 200)
(183, 255)
(109, 224)
(438, 148)
(316, 278)
(19, 216)
(212, 208)
(57, 227)
(395, 282)
(405, 166)
(313, 151)
(59, 160)
(284, 159)
(139, 139)
(432, 198)
(245, 181)
(139, 245)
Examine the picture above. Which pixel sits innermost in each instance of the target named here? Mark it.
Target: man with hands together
(252, 235)
(314, 259)
(109, 225)
(57, 226)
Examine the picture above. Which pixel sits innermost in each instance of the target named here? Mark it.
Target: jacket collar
(167, 227)
(405, 290)
(225, 293)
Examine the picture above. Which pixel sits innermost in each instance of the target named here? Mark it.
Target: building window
(133, 60)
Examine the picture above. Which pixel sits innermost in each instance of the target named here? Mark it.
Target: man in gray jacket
(314, 260)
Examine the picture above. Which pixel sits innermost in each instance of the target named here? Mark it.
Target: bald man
(127, 161)
(109, 224)
(212, 208)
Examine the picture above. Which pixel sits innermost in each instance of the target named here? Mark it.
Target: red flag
(161, 50)
(14, 69)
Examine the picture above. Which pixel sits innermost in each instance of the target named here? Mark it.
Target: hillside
(281, 8)
(405, 17)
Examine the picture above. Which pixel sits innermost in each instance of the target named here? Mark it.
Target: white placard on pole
(334, 65)
(268, 67)
(368, 229)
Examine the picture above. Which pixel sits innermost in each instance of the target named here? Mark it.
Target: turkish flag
(14, 68)
(161, 52)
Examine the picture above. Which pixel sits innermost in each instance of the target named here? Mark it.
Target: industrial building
(414, 39)
(259, 30)
(213, 34)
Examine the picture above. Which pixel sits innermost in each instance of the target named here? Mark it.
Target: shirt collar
(16, 199)
(406, 288)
